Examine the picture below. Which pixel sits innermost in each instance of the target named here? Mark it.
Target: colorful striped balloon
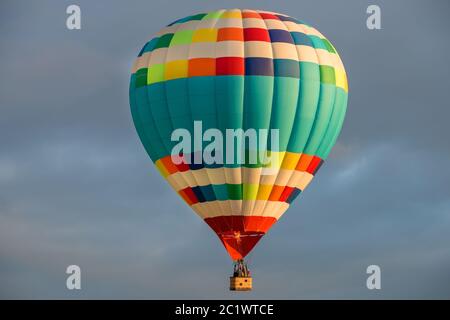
(243, 69)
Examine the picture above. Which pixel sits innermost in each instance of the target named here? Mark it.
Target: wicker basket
(240, 283)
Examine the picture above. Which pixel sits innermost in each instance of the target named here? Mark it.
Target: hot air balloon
(239, 69)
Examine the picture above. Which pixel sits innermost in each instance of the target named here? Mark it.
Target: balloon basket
(240, 283)
(241, 279)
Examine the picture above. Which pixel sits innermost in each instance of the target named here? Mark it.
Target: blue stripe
(208, 192)
(293, 195)
(196, 166)
(259, 66)
(286, 68)
(198, 193)
(277, 35)
(302, 39)
(283, 18)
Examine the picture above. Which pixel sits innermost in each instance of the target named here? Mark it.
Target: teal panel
(160, 114)
(230, 103)
(258, 97)
(178, 104)
(202, 102)
(145, 125)
(342, 97)
(221, 191)
(318, 43)
(177, 97)
(308, 98)
(284, 107)
(137, 121)
(323, 116)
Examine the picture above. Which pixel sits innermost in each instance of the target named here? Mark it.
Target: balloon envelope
(239, 69)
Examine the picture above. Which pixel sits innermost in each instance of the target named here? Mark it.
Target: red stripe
(169, 165)
(256, 34)
(314, 165)
(243, 224)
(239, 234)
(286, 193)
(230, 66)
(181, 159)
(268, 16)
(189, 195)
(250, 14)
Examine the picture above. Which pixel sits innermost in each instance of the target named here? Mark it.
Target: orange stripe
(276, 193)
(227, 34)
(202, 67)
(168, 164)
(249, 14)
(304, 162)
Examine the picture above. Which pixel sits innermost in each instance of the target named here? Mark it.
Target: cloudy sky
(76, 186)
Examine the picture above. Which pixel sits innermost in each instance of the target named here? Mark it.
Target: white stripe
(217, 208)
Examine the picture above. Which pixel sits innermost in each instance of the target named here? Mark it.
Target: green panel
(155, 73)
(164, 41)
(250, 191)
(327, 74)
(329, 46)
(196, 17)
(141, 77)
(182, 37)
(213, 15)
(149, 46)
(234, 191)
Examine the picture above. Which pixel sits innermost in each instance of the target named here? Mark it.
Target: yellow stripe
(273, 159)
(205, 35)
(290, 160)
(176, 69)
(161, 168)
(231, 14)
(341, 79)
(264, 192)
